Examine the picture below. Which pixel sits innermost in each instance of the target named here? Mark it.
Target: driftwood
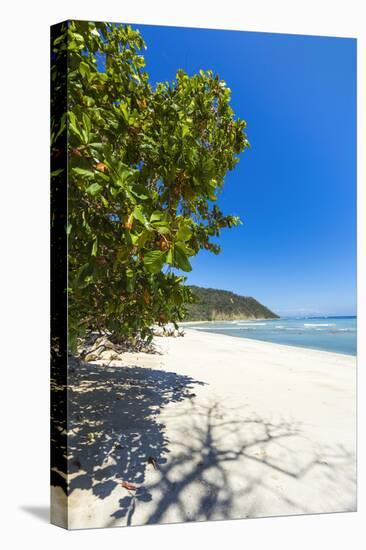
(95, 347)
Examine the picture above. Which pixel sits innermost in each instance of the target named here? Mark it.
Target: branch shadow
(198, 483)
(113, 427)
(214, 462)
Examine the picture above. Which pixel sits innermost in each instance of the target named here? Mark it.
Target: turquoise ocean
(336, 334)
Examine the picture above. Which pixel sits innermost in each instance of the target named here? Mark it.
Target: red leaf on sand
(128, 485)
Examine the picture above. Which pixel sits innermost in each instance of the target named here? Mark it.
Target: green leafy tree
(146, 164)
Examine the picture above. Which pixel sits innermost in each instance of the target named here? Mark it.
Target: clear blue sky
(295, 189)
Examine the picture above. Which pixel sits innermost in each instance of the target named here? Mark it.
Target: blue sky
(295, 189)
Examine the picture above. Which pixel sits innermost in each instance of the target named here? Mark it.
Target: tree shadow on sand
(225, 468)
(113, 427)
(213, 461)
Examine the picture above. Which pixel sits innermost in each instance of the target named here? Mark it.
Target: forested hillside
(213, 304)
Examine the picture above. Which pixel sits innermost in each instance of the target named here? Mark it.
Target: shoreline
(299, 348)
(274, 345)
(352, 353)
(229, 320)
(238, 428)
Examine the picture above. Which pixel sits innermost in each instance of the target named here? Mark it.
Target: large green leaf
(95, 247)
(84, 70)
(83, 172)
(139, 191)
(154, 260)
(181, 259)
(184, 233)
(138, 215)
(162, 227)
(94, 189)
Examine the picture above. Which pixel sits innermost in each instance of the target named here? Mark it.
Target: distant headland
(218, 305)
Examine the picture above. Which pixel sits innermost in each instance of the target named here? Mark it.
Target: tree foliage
(146, 164)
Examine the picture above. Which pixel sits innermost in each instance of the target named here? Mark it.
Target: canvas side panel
(59, 514)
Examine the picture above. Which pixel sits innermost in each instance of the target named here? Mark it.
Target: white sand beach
(212, 427)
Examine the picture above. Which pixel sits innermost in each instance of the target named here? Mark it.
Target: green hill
(219, 305)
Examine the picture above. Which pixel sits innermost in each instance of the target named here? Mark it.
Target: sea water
(337, 334)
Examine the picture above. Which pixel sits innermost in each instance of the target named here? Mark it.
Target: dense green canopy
(146, 163)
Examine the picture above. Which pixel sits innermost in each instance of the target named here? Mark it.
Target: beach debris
(168, 330)
(129, 486)
(90, 357)
(102, 347)
(151, 460)
(91, 437)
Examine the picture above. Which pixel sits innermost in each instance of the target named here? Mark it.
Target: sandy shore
(238, 428)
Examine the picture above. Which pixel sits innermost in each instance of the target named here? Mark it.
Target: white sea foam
(215, 328)
(336, 335)
(252, 324)
(319, 325)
